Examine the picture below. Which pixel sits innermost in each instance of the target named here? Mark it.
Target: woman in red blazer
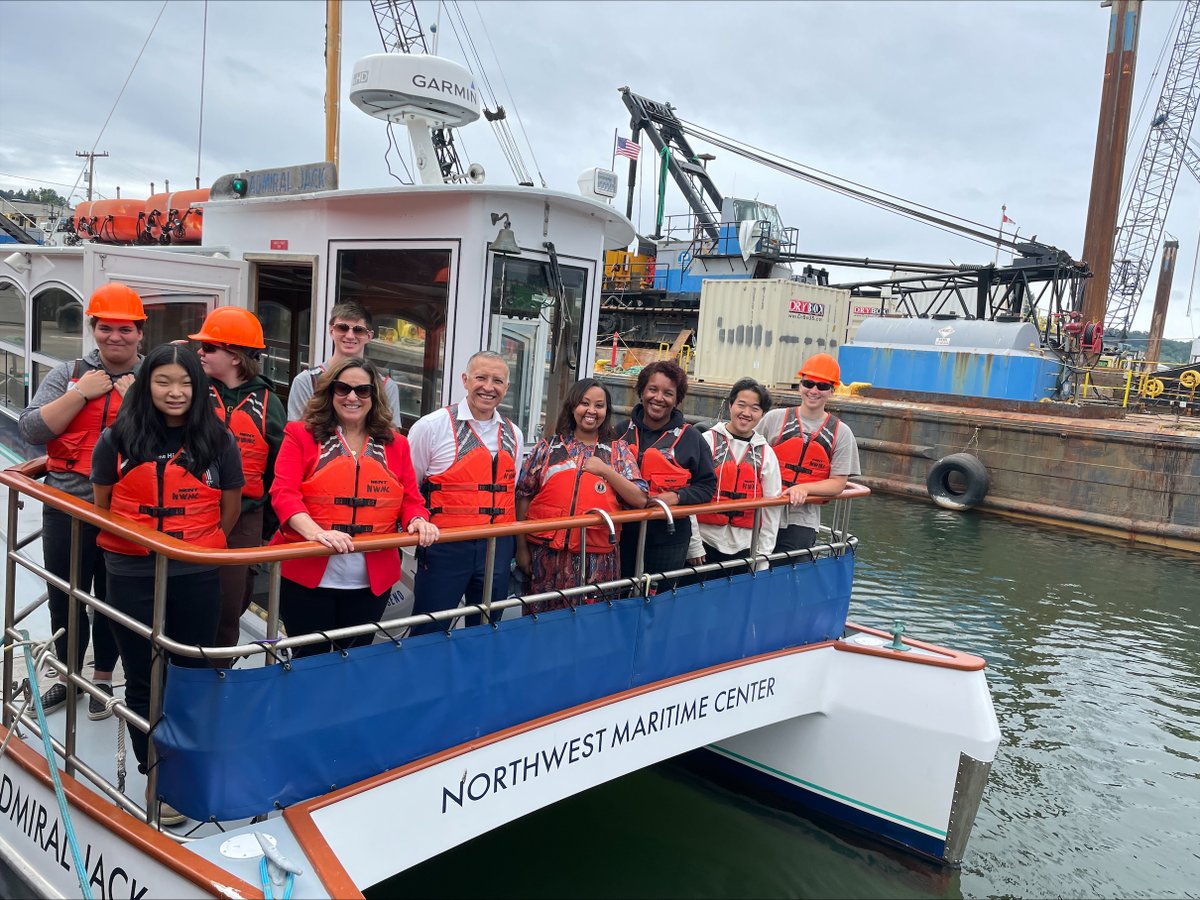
(343, 471)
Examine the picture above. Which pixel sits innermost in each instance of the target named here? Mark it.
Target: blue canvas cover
(235, 743)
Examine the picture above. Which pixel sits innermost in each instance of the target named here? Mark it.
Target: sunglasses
(207, 347)
(361, 391)
(359, 330)
(819, 385)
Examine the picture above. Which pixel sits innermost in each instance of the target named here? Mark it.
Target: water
(1094, 663)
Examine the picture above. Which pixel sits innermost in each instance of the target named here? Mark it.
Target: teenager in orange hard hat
(77, 401)
(230, 345)
(816, 451)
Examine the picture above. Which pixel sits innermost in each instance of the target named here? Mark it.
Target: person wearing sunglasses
(231, 346)
(350, 331)
(816, 450)
(466, 457)
(343, 471)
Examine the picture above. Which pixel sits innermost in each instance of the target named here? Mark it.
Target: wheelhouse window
(58, 324)
(538, 337)
(407, 293)
(12, 315)
(12, 347)
(170, 320)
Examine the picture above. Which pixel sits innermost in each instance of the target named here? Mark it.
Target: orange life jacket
(568, 490)
(477, 488)
(164, 495)
(355, 495)
(735, 481)
(658, 464)
(804, 458)
(72, 450)
(248, 423)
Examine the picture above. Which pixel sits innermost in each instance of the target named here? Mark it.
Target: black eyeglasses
(359, 330)
(212, 348)
(819, 385)
(361, 391)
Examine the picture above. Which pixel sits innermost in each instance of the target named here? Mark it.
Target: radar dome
(392, 86)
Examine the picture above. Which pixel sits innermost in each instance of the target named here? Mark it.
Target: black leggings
(193, 609)
(308, 610)
(56, 551)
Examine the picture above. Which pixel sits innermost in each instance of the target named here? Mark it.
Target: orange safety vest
(477, 488)
(164, 495)
(564, 482)
(72, 450)
(248, 423)
(355, 495)
(735, 481)
(658, 465)
(804, 458)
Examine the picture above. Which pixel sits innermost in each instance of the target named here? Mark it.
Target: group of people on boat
(195, 443)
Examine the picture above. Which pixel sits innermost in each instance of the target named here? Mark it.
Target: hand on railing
(425, 531)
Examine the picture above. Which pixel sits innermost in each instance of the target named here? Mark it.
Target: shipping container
(765, 328)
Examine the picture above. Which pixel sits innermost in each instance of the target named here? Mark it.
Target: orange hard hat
(116, 301)
(232, 325)
(821, 367)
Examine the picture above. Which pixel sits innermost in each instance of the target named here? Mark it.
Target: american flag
(627, 148)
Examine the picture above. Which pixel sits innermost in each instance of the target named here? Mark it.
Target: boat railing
(22, 482)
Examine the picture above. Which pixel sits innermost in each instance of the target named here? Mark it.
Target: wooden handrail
(23, 478)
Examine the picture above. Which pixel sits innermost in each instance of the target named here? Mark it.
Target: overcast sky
(958, 106)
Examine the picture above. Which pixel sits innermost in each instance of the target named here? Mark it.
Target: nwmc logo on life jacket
(806, 308)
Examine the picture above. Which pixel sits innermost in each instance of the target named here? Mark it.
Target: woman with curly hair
(343, 471)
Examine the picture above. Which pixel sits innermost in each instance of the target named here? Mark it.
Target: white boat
(354, 767)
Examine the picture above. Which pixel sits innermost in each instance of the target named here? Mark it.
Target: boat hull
(122, 857)
(804, 720)
(918, 790)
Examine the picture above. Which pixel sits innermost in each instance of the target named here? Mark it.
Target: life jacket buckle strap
(351, 529)
(160, 511)
(354, 501)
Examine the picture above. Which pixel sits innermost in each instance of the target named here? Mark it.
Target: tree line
(49, 196)
(1174, 353)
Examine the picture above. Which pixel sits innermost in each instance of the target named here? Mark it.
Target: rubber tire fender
(970, 470)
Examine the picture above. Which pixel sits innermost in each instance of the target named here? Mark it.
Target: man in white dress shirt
(467, 458)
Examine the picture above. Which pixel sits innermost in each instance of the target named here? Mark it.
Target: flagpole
(613, 165)
(1000, 235)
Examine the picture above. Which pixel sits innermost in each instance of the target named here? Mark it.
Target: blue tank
(964, 357)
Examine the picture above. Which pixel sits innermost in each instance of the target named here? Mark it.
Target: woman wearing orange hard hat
(231, 346)
(816, 451)
(77, 401)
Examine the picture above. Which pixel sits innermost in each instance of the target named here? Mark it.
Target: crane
(400, 29)
(1166, 150)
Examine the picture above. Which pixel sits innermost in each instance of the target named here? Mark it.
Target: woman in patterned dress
(582, 466)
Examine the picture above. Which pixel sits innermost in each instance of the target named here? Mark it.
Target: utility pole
(91, 158)
(1111, 137)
